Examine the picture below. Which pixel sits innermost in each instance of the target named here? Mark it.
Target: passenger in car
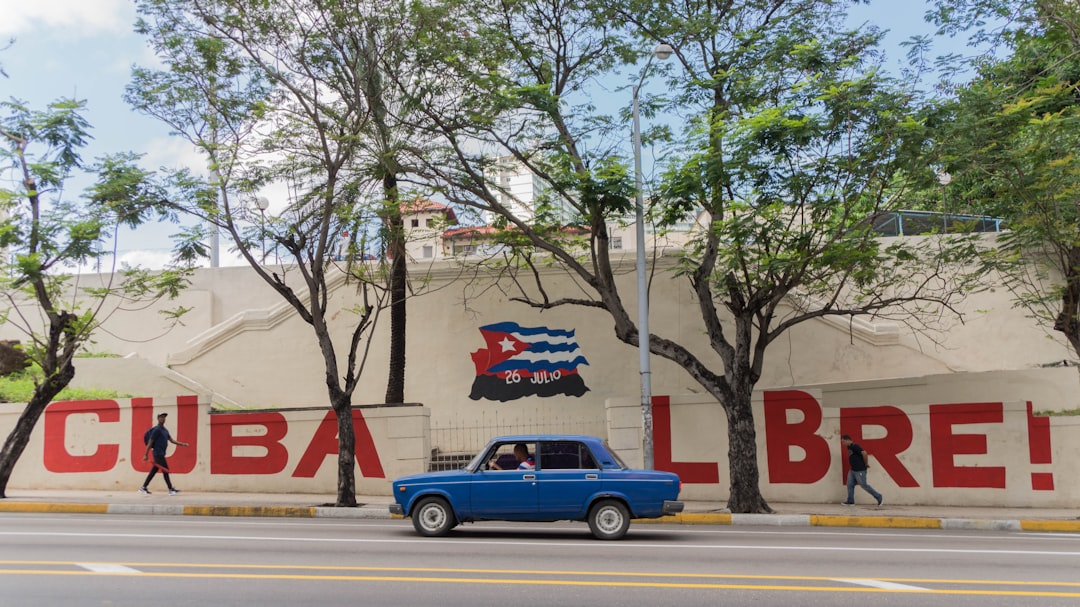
(521, 454)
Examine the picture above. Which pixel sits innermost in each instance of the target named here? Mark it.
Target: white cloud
(173, 152)
(73, 17)
(151, 260)
(145, 259)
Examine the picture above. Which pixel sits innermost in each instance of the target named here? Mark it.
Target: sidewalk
(375, 507)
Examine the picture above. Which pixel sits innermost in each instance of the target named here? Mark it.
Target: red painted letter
(780, 436)
(945, 445)
(58, 458)
(885, 450)
(325, 443)
(142, 417)
(223, 441)
(706, 473)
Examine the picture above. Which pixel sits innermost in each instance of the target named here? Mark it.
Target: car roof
(526, 438)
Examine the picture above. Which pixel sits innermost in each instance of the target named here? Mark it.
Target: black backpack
(146, 435)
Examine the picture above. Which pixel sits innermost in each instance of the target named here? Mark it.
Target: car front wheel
(609, 520)
(433, 517)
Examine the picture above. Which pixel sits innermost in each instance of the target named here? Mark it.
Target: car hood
(431, 476)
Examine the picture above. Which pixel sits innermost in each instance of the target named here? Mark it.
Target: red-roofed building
(466, 240)
(425, 222)
(432, 233)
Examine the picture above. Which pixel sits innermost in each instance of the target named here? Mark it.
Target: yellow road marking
(1051, 526)
(535, 582)
(62, 508)
(532, 580)
(267, 511)
(902, 522)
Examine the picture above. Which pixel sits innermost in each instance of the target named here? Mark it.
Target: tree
(795, 139)
(1009, 137)
(49, 236)
(388, 143)
(291, 92)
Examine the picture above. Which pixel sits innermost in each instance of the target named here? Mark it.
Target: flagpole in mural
(527, 361)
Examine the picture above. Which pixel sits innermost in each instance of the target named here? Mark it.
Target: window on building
(429, 251)
(415, 223)
(430, 221)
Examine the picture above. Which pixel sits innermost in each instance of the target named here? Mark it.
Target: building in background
(519, 188)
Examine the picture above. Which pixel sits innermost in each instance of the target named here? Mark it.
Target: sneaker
(880, 501)
(847, 503)
(174, 491)
(144, 491)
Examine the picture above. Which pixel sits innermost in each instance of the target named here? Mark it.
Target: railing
(914, 223)
(455, 441)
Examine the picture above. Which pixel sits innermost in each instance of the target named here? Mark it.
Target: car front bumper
(399, 510)
(672, 507)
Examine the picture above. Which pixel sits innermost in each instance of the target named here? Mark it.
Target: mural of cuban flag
(527, 361)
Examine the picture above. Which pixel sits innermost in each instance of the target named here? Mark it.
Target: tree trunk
(744, 492)
(346, 494)
(20, 435)
(395, 384)
(1068, 319)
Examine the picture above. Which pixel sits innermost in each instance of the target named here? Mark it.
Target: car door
(509, 494)
(568, 476)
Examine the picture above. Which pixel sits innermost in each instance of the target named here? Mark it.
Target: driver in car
(521, 454)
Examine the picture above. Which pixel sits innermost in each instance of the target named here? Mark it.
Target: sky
(85, 49)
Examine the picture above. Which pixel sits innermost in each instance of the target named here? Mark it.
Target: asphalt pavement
(696, 512)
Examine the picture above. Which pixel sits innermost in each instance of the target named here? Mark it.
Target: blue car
(538, 478)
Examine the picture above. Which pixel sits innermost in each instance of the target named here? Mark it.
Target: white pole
(642, 290)
(662, 52)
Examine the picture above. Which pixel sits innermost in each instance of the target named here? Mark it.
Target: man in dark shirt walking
(158, 439)
(859, 461)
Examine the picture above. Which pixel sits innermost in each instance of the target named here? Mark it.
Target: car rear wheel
(433, 517)
(609, 520)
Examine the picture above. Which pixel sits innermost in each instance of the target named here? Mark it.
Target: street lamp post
(262, 203)
(661, 52)
(944, 179)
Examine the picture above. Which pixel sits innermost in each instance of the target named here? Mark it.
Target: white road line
(107, 568)
(728, 531)
(883, 585)
(464, 539)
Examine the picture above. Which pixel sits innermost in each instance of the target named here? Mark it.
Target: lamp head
(262, 203)
(662, 51)
(944, 178)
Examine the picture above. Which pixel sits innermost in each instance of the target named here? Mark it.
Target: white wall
(243, 346)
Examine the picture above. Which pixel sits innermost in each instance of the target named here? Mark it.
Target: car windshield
(614, 456)
(474, 463)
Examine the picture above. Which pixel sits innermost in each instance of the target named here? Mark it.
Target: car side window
(565, 455)
(511, 456)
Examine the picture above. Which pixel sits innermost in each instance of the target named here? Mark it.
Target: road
(64, 560)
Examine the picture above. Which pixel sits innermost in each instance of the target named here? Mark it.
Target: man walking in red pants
(158, 439)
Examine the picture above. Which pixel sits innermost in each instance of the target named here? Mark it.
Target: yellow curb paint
(689, 518)
(906, 522)
(62, 508)
(272, 511)
(1051, 526)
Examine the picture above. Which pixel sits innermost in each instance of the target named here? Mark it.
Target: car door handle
(591, 477)
(529, 477)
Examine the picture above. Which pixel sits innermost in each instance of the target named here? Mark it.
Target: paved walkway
(375, 507)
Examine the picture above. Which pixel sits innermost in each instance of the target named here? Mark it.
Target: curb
(380, 511)
(368, 512)
(878, 522)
